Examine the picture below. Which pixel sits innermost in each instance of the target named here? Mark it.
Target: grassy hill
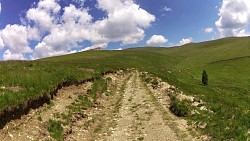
(227, 62)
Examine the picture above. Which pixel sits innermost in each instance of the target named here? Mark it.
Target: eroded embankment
(12, 113)
(74, 114)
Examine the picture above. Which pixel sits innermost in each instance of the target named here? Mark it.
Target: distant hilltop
(98, 48)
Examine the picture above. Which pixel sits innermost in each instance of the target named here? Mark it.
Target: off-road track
(132, 110)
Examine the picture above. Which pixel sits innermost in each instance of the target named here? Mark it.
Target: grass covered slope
(226, 62)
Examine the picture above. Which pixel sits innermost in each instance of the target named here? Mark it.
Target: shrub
(204, 78)
(179, 108)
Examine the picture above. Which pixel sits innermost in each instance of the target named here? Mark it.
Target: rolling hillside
(227, 62)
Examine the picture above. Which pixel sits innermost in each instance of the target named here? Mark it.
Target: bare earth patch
(13, 88)
(33, 125)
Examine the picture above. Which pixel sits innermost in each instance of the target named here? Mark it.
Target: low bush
(179, 108)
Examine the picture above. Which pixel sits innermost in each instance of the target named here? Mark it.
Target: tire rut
(138, 119)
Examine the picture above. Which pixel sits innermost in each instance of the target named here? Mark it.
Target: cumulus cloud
(8, 55)
(64, 36)
(44, 15)
(61, 30)
(15, 37)
(156, 40)
(77, 25)
(208, 30)
(45, 50)
(116, 26)
(234, 17)
(1, 43)
(185, 41)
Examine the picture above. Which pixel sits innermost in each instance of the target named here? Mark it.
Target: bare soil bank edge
(12, 113)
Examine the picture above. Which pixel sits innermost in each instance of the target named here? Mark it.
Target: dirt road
(138, 119)
(141, 117)
(132, 111)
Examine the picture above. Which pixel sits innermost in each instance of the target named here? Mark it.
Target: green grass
(56, 130)
(226, 62)
(98, 88)
(179, 108)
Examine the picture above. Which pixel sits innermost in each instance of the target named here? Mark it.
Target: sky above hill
(42, 28)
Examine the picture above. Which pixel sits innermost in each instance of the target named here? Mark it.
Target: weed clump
(154, 83)
(56, 130)
(99, 86)
(109, 79)
(179, 108)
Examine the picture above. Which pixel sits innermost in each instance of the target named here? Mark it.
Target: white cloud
(186, 41)
(125, 22)
(167, 9)
(1, 43)
(44, 50)
(208, 30)
(119, 48)
(15, 37)
(44, 15)
(156, 40)
(234, 18)
(0, 8)
(74, 15)
(8, 55)
(33, 33)
(76, 26)
(60, 30)
(66, 35)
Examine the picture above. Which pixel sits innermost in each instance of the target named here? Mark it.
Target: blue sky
(43, 28)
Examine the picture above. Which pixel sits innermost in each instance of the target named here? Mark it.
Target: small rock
(202, 125)
(196, 104)
(11, 135)
(194, 112)
(203, 108)
(172, 87)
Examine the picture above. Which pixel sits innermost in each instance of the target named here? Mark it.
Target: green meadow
(226, 61)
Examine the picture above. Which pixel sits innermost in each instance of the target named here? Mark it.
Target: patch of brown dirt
(13, 88)
(87, 70)
(33, 126)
